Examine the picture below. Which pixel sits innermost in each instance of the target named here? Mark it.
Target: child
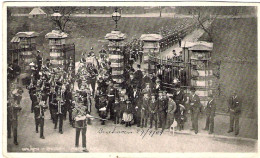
(117, 111)
(128, 115)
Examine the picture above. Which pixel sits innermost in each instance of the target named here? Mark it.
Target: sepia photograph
(130, 78)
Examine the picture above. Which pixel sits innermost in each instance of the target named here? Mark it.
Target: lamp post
(116, 17)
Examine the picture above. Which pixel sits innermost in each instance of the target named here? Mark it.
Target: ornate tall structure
(151, 48)
(24, 48)
(198, 55)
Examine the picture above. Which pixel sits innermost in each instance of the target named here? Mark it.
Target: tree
(205, 19)
(61, 16)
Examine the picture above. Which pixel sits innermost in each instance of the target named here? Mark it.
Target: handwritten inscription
(141, 132)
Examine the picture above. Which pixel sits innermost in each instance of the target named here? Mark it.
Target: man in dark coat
(210, 114)
(162, 107)
(235, 110)
(153, 109)
(195, 106)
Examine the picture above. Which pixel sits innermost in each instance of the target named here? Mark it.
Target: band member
(162, 107)
(39, 116)
(80, 114)
(153, 111)
(195, 106)
(13, 110)
(144, 110)
(117, 111)
(170, 112)
(111, 93)
(103, 108)
(52, 97)
(210, 114)
(128, 114)
(68, 102)
(58, 109)
(235, 110)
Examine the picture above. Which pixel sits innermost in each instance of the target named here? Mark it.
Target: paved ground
(117, 138)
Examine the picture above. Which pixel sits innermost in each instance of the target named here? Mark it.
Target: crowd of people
(141, 99)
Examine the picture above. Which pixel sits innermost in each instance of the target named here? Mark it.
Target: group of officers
(141, 99)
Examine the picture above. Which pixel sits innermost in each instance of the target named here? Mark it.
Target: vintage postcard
(130, 79)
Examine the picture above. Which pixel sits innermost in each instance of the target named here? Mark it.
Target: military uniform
(12, 115)
(210, 114)
(235, 111)
(79, 114)
(68, 104)
(39, 117)
(58, 110)
(52, 97)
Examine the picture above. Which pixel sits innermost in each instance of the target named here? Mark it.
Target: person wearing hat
(179, 99)
(162, 108)
(12, 118)
(145, 110)
(39, 110)
(58, 110)
(235, 110)
(170, 111)
(103, 108)
(39, 60)
(80, 115)
(138, 76)
(210, 114)
(153, 111)
(195, 106)
(111, 93)
(52, 97)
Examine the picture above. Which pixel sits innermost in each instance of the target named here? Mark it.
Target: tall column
(26, 48)
(57, 41)
(116, 54)
(151, 48)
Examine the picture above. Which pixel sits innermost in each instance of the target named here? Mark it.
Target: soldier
(210, 114)
(162, 107)
(68, 102)
(52, 97)
(111, 93)
(195, 106)
(170, 112)
(103, 108)
(39, 115)
(80, 115)
(58, 109)
(144, 110)
(13, 110)
(117, 111)
(153, 111)
(235, 110)
(39, 60)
